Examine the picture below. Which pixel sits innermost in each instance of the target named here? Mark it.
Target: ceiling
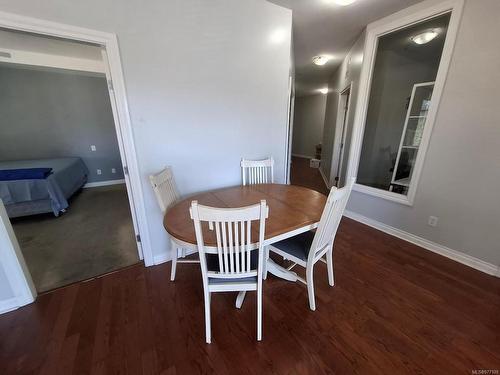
(322, 27)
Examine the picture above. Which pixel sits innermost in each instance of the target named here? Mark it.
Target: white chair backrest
(330, 218)
(165, 189)
(257, 171)
(234, 238)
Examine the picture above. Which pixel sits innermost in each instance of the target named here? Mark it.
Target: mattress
(27, 197)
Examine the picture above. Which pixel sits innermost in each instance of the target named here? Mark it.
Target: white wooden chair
(257, 171)
(235, 264)
(307, 248)
(167, 195)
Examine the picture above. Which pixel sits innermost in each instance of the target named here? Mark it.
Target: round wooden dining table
(292, 210)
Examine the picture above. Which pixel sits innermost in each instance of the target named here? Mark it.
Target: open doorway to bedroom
(61, 172)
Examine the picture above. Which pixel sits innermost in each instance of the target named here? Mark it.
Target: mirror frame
(397, 21)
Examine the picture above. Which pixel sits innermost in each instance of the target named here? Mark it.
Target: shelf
(402, 182)
(417, 116)
(413, 147)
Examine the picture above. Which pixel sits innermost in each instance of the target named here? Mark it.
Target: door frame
(397, 21)
(338, 155)
(118, 98)
(289, 130)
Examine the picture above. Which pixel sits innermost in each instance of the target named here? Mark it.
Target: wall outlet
(433, 221)
(99, 171)
(92, 148)
(113, 170)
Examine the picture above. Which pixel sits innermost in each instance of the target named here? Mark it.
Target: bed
(34, 196)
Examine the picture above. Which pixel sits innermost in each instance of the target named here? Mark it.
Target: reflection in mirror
(406, 65)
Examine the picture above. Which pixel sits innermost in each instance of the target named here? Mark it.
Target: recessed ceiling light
(341, 2)
(321, 59)
(424, 37)
(323, 90)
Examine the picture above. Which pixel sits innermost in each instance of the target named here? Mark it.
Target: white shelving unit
(413, 129)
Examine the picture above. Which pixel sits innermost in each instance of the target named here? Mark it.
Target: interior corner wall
(348, 72)
(206, 85)
(308, 121)
(460, 180)
(50, 113)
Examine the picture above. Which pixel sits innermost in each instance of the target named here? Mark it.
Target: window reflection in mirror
(406, 65)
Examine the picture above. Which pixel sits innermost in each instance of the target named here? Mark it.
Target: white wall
(461, 174)
(205, 85)
(15, 289)
(308, 121)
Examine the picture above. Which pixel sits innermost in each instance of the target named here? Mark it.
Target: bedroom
(61, 173)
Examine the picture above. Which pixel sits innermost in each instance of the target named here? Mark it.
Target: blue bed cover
(69, 174)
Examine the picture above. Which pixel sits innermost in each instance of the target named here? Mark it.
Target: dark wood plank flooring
(303, 175)
(395, 309)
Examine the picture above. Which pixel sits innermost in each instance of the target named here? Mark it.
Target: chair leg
(329, 265)
(174, 261)
(208, 328)
(259, 313)
(310, 286)
(266, 258)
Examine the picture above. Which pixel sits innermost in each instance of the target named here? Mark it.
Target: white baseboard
(161, 258)
(324, 178)
(103, 183)
(165, 257)
(10, 304)
(455, 255)
(303, 156)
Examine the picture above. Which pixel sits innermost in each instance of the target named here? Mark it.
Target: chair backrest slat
(165, 189)
(330, 218)
(233, 232)
(257, 171)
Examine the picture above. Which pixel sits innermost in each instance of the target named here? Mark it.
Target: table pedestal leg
(280, 271)
(240, 299)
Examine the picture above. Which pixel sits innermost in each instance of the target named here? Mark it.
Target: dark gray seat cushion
(213, 265)
(298, 245)
(215, 280)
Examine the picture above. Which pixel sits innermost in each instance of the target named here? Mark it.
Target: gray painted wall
(393, 79)
(49, 114)
(461, 175)
(349, 71)
(308, 121)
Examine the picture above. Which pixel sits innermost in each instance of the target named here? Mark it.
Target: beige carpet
(93, 237)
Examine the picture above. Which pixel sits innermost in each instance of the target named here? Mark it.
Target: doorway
(18, 277)
(73, 222)
(306, 141)
(339, 165)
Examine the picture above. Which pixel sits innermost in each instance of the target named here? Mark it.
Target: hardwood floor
(395, 309)
(303, 175)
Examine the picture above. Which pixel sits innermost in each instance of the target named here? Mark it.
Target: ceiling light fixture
(424, 37)
(324, 90)
(341, 2)
(321, 59)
